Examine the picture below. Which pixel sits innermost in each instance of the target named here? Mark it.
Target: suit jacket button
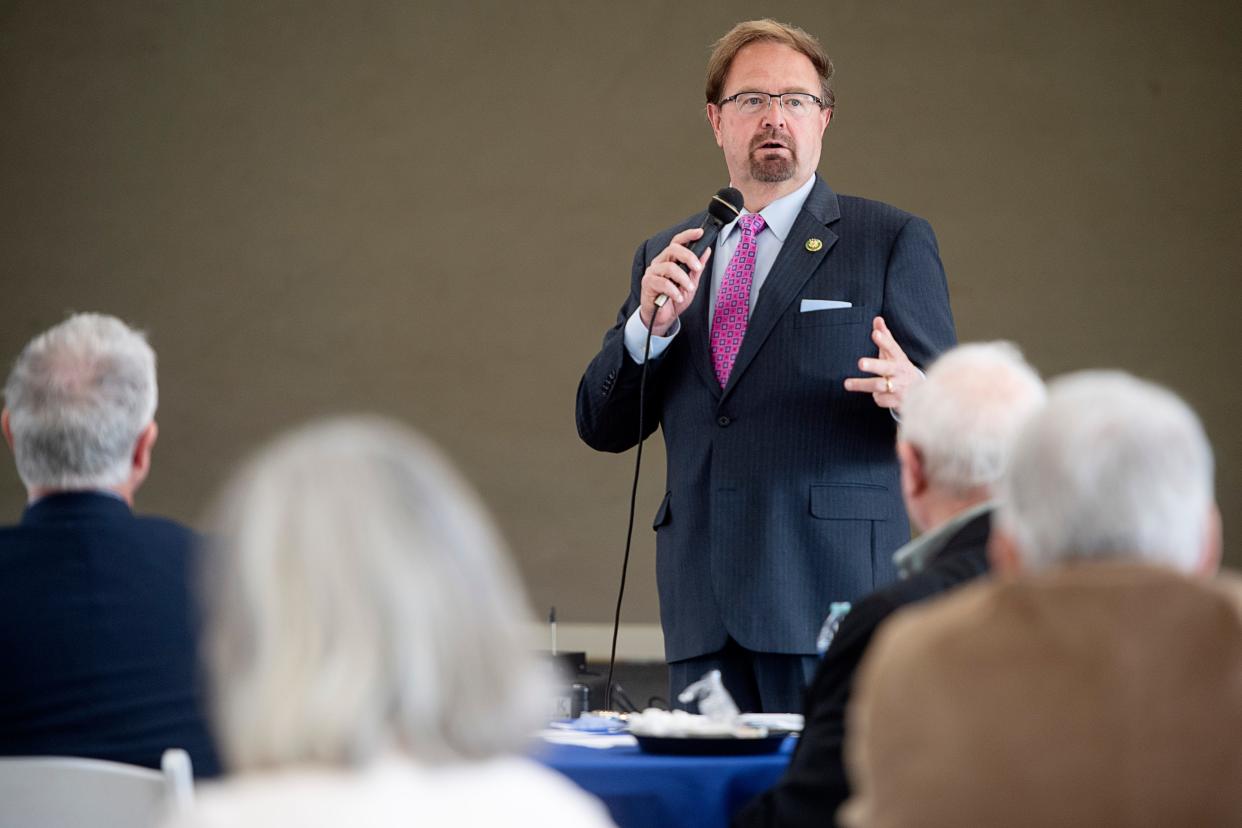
(723, 421)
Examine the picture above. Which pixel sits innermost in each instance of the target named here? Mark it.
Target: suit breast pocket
(827, 352)
(834, 316)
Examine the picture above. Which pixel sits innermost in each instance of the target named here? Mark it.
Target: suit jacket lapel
(697, 324)
(794, 266)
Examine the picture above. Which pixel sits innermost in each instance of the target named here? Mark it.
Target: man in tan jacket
(1098, 679)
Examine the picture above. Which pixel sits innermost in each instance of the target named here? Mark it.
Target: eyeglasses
(795, 104)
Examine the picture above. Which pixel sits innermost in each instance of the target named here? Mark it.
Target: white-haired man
(98, 635)
(956, 432)
(1099, 681)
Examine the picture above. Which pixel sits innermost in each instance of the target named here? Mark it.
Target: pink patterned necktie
(733, 303)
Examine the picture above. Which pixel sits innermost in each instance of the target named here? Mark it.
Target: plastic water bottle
(837, 610)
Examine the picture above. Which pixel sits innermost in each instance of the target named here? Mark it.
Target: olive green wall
(430, 211)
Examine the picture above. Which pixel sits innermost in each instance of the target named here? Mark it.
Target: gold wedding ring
(888, 385)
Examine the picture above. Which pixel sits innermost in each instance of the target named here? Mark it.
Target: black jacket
(815, 785)
(98, 635)
(783, 491)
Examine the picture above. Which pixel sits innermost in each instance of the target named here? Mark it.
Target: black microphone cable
(629, 530)
(724, 207)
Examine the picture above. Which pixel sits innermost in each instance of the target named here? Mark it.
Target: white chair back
(67, 792)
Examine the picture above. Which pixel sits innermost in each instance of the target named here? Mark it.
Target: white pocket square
(809, 305)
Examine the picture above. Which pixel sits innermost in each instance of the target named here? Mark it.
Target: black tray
(710, 745)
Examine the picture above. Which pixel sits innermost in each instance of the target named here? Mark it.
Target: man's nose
(774, 115)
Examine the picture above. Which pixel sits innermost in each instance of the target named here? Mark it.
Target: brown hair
(752, 31)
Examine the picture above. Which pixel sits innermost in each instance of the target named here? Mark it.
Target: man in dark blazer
(98, 633)
(783, 492)
(956, 434)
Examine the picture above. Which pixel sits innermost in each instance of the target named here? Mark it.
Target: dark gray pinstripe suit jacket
(783, 493)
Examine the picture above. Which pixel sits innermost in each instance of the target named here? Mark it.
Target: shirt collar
(918, 553)
(75, 504)
(780, 215)
(103, 492)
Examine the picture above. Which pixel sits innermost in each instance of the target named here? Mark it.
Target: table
(643, 790)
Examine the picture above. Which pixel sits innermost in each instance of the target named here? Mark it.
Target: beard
(771, 166)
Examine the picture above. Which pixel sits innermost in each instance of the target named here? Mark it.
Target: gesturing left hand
(896, 373)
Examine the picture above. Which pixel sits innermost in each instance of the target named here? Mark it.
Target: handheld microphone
(725, 206)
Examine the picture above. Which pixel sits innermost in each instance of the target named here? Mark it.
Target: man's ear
(1003, 555)
(4, 426)
(913, 476)
(141, 459)
(1209, 555)
(713, 118)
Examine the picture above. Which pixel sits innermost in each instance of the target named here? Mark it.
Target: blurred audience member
(97, 643)
(956, 432)
(1099, 681)
(366, 645)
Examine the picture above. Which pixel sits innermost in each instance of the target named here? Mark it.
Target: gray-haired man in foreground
(97, 632)
(1099, 680)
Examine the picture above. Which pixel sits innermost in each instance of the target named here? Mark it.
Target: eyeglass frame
(779, 96)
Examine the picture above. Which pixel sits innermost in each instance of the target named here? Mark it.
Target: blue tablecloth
(647, 791)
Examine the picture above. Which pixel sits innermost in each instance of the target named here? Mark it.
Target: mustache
(772, 136)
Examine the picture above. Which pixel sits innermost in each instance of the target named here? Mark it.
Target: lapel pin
(813, 245)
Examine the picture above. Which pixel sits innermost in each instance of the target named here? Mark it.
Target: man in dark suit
(783, 491)
(956, 434)
(98, 634)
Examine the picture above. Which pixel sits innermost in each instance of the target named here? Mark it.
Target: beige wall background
(429, 211)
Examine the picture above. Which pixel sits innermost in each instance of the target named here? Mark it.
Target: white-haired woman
(366, 646)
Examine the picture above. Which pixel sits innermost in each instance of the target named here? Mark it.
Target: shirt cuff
(636, 337)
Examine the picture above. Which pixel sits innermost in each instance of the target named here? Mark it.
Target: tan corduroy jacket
(1098, 695)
